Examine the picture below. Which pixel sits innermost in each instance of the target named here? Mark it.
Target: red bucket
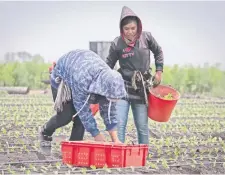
(160, 109)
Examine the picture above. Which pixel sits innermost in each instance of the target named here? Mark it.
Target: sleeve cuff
(111, 127)
(159, 67)
(94, 132)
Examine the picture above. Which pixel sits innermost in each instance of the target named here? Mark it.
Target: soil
(20, 152)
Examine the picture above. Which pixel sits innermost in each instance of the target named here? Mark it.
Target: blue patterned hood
(109, 84)
(86, 73)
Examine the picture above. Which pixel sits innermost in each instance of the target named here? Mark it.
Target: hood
(126, 11)
(108, 83)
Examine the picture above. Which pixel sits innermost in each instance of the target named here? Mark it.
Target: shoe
(45, 141)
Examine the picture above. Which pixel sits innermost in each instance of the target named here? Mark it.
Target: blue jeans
(140, 115)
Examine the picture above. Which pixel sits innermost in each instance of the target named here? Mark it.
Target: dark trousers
(63, 118)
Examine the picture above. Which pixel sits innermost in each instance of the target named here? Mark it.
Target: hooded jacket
(86, 73)
(120, 51)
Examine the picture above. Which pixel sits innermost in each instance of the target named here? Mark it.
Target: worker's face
(130, 30)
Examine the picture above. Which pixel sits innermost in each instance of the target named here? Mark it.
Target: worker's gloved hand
(157, 78)
(100, 138)
(58, 80)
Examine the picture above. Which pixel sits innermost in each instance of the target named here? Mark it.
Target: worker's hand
(100, 138)
(114, 137)
(118, 142)
(157, 78)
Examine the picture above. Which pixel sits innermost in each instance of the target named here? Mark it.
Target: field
(192, 142)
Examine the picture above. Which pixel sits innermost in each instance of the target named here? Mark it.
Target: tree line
(24, 69)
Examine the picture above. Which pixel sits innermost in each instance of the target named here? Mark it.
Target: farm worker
(83, 77)
(132, 50)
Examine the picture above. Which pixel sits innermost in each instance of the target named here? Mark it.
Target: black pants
(63, 118)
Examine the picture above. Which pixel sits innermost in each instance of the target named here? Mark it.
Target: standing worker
(132, 50)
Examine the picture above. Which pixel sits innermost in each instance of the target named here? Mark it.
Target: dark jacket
(134, 58)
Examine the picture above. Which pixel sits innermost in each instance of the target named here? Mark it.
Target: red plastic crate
(98, 154)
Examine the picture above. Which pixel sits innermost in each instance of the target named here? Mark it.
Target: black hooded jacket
(134, 58)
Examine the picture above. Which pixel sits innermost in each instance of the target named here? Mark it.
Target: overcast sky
(189, 32)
